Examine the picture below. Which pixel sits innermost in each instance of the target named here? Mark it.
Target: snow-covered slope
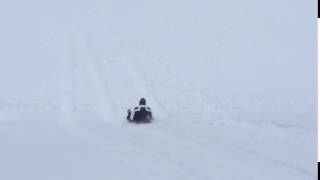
(231, 84)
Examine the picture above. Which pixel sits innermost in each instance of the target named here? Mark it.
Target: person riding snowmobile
(141, 113)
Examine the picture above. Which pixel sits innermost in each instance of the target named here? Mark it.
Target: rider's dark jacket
(140, 113)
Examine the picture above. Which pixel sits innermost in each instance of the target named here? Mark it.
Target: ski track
(180, 157)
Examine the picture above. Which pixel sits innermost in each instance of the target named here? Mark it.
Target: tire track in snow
(71, 121)
(119, 84)
(100, 140)
(172, 147)
(162, 113)
(169, 149)
(125, 82)
(70, 118)
(158, 68)
(101, 89)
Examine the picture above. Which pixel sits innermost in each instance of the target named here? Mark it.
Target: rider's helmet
(142, 101)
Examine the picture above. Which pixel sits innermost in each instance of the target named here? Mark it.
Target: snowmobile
(140, 114)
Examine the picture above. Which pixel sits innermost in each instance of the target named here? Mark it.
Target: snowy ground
(219, 113)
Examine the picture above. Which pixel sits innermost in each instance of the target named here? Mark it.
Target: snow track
(90, 131)
(113, 84)
(68, 78)
(126, 84)
(161, 156)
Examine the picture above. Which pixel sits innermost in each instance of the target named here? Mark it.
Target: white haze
(232, 73)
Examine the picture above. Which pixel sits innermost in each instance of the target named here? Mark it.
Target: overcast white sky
(259, 46)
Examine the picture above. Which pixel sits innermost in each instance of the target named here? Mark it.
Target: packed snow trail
(92, 139)
(160, 151)
(126, 84)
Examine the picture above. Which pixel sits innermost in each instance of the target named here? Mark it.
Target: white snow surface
(232, 86)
